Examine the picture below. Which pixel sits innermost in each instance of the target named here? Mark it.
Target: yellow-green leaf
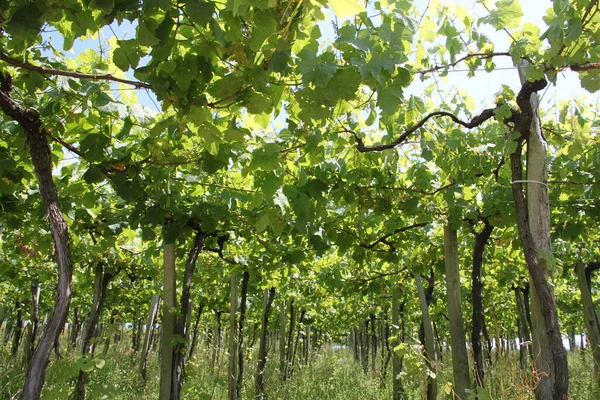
(346, 8)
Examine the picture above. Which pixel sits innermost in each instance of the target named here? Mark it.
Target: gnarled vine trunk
(259, 391)
(241, 327)
(152, 315)
(591, 318)
(397, 389)
(194, 338)
(40, 156)
(481, 239)
(429, 344)
(533, 220)
(101, 281)
(181, 321)
(34, 322)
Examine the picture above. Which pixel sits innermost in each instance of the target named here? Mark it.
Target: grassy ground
(332, 374)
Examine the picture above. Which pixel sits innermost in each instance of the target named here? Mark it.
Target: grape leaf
(346, 8)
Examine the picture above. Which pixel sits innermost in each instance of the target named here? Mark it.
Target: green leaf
(146, 36)
(106, 104)
(120, 59)
(86, 364)
(240, 7)
(125, 129)
(316, 188)
(389, 99)
(257, 103)
(25, 23)
(212, 137)
(346, 8)
(301, 206)
(266, 157)
(590, 81)
(503, 112)
(507, 14)
(142, 114)
(171, 231)
(268, 182)
(280, 61)
(372, 117)
(281, 201)
(257, 201)
(127, 55)
(93, 175)
(319, 244)
(262, 31)
(344, 84)
(316, 70)
(93, 146)
(200, 12)
(263, 222)
(186, 71)
(234, 135)
(106, 6)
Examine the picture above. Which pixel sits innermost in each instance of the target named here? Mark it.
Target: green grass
(332, 374)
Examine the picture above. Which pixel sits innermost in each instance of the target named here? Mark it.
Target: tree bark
(113, 317)
(18, 329)
(429, 344)
(168, 323)
(76, 326)
(397, 389)
(481, 240)
(533, 220)
(138, 334)
(373, 343)
(460, 358)
(365, 346)
(355, 345)
(307, 344)
(590, 316)
(290, 341)
(259, 391)
(152, 314)
(42, 162)
(35, 319)
(180, 323)
(571, 334)
(282, 323)
(135, 333)
(9, 327)
(523, 326)
(216, 339)
(101, 281)
(293, 361)
(488, 342)
(195, 331)
(240, 372)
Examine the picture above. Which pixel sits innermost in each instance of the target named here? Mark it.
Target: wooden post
(233, 355)
(460, 359)
(168, 322)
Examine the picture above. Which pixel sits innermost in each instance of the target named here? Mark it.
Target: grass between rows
(331, 374)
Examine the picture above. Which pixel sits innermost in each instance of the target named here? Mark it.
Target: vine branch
(384, 238)
(481, 56)
(473, 123)
(73, 74)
